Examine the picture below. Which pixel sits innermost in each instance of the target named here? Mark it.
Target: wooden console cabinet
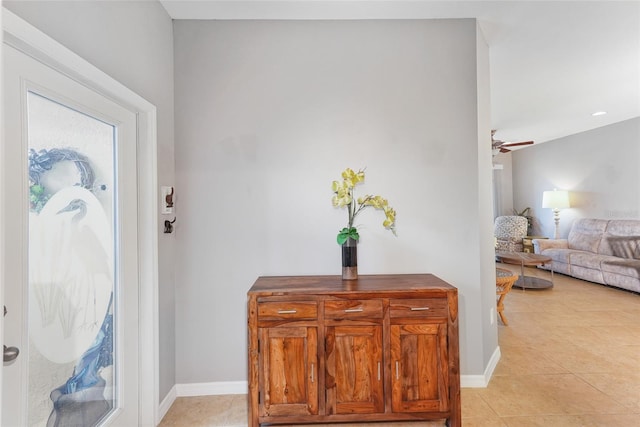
(379, 348)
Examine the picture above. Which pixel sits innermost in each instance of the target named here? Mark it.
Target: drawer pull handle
(312, 371)
(287, 311)
(379, 370)
(354, 310)
(419, 308)
(397, 370)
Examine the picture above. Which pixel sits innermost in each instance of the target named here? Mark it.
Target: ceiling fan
(501, 146)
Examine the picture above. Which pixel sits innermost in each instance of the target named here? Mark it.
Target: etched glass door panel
(71, 265)
(69, 251)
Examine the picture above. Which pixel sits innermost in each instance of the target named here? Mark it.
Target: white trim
(2, 224)
(211, 389)
(166, 403)
(482, 381)
(148, 364)
(240, 387)
(33, 42)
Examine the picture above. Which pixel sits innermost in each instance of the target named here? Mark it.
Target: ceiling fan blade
(504, 150)
(515, 144)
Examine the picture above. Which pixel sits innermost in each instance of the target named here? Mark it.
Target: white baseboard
(482, 381)
(211, 389)
(240, 387)
(166, 403)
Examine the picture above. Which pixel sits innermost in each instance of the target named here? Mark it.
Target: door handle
(10, 353)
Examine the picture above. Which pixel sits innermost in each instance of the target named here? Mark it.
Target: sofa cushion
(589, 260)
(540, 245)
(558, 255)
(586, 233)
(626, 267)
(561, 260)
(621, 239)
(586, 273)
(621, 281)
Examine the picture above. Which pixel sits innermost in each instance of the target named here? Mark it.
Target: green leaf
(353, 233)
(343, 235)
(346, 233)
(37, 189)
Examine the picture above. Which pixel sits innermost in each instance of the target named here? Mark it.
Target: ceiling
(553, 63)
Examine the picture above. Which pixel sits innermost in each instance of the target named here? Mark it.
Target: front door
(69, 251)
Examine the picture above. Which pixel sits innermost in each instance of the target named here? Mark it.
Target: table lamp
(556, 200)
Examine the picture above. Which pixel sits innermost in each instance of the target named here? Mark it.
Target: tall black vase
(350, 259)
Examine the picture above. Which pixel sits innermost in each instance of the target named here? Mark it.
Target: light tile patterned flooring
(570, 358)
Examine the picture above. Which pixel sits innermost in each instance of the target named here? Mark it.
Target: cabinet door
(419, 365)
(354, 378)
(288, 371)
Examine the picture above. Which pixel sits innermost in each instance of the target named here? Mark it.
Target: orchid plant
(344, 197)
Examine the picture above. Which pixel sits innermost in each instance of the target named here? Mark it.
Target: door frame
(33, 42)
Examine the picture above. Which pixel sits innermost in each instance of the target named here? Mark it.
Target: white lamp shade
(556, 199)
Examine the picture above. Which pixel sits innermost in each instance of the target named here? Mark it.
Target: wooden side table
(530, 260)
(379, 348)
(527, 243)
(504, 282)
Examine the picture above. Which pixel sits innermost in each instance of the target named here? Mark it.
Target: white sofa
(597, 250)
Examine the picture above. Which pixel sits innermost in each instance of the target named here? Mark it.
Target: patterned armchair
(509, 231)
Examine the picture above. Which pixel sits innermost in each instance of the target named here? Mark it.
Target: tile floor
(570, 358)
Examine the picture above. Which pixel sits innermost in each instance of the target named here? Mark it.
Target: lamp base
(556, 219)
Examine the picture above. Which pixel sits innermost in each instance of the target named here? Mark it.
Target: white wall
(268, 113)
(132, 42)
(502, 180)
(598, 167)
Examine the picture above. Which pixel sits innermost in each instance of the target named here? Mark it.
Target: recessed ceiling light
(599, 113)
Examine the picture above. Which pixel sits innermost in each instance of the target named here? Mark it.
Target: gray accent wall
(600, 168)
(268, 114)
(132, 42)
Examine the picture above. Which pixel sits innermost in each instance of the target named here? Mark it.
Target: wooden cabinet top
(365, 284)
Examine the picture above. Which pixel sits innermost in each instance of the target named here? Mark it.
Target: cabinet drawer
(353, 309)
(287, 310)
(426, 307)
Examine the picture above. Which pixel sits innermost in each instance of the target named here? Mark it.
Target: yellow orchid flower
(339, 201)
(390, 220)
(377, 202)
(344, 197)
(352, 178)
(343, 194)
